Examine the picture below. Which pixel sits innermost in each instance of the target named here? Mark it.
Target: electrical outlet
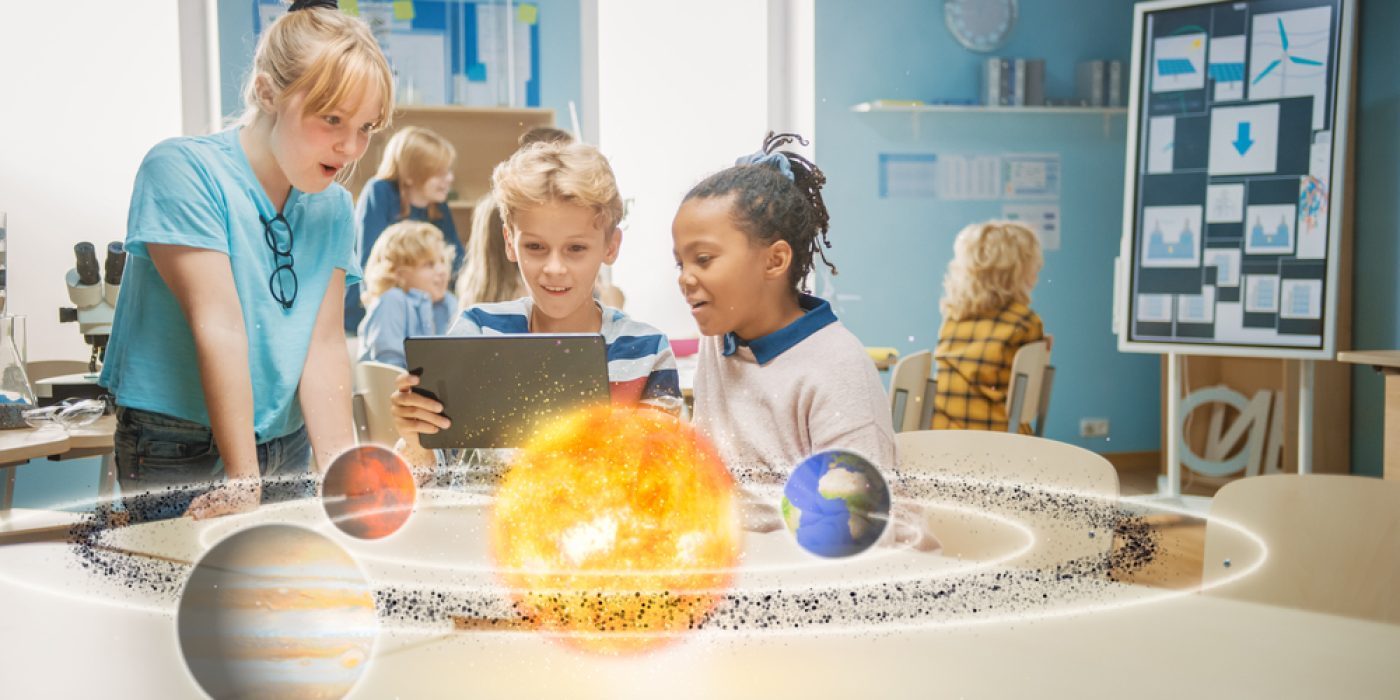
(1093, 427)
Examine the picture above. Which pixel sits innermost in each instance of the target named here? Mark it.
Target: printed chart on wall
(480, 54)
(1240, 115)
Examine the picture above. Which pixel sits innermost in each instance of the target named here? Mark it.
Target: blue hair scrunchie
(776, 159)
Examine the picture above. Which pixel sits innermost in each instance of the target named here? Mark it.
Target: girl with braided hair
(779, 378)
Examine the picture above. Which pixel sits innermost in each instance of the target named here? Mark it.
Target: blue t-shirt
(398, 315)
(380, 207)
(200, 192)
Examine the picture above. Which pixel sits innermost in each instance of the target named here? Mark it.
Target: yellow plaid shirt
(974, 367)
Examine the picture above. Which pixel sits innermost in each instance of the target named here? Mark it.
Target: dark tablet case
(498, 390)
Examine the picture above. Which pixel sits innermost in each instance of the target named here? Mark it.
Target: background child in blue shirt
(227, 355)
(412, 184)
(405, 290)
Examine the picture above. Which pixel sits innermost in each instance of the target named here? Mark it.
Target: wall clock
(980, 25)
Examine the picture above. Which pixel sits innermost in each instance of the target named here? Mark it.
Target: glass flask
(16, 394)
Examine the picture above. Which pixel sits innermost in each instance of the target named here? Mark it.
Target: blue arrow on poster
(1242, 140)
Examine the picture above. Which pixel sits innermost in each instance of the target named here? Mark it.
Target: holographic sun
(616, 529)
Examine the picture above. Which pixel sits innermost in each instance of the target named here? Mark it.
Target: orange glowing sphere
(368, 492)
(616, 529)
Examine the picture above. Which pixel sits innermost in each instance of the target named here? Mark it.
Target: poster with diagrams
(477, 53)
(1238, 120)
(1173, 237)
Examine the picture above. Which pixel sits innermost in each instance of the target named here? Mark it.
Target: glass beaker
(4, 295)
(16, 394)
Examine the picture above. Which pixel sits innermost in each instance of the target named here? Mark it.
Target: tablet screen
(498, 390)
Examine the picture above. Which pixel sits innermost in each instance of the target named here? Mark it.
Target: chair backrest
(1332, 544)
(374, 383)
(1029, 392)
(47, 369)
(986, 456)
(908, 386)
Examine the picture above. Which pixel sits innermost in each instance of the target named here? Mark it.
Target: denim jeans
(164, 462)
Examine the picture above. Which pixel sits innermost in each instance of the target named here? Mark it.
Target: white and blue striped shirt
(641, 366)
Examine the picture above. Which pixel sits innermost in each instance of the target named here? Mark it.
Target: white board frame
(1343, 109)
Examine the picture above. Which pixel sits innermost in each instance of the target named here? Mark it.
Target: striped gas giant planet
(276, 611)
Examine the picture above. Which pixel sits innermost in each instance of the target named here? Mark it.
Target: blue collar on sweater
(817, 315)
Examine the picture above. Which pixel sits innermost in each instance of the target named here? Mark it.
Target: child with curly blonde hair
(986, 319)
(405, 290)
(413, 183)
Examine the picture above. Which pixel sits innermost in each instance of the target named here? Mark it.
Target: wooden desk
(1386, 362)
(20, 446)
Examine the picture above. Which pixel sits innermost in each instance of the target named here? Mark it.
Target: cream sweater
(821, 393)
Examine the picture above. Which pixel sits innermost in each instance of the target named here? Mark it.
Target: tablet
(498, 390)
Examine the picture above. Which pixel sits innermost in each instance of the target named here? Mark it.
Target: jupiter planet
(276, 611)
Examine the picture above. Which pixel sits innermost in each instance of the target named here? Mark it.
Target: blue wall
(1376, 308)
(560, 48)
(892, 253)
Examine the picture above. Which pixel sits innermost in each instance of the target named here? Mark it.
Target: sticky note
(350, 7)
(527, 13)
(477, 72)
(403, 9)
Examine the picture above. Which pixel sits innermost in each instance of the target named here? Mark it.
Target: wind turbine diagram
(1288, 56)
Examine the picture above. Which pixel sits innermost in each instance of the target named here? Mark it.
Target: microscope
(95, 303)
(94, 296)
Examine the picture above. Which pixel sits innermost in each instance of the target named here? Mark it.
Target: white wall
(86, 88)
(682, 92)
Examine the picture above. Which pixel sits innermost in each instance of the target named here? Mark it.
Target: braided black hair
(770, 207)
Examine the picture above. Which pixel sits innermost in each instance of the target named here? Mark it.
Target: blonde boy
(560, 208)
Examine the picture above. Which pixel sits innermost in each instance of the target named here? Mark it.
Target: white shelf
(983, 109)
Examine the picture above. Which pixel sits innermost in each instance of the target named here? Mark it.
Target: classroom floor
(1180, 539)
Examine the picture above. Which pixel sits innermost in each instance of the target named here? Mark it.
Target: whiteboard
(1237, 141)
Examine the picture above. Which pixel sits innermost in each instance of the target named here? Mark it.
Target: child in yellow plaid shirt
(986, 319)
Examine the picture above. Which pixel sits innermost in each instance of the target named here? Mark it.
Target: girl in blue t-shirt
(412, 184)
(227, 357)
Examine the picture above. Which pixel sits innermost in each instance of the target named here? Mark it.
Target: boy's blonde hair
(488, 275)
(992, 267)
(405, 244)
(413, 156)
(324, 53)
(574, 173)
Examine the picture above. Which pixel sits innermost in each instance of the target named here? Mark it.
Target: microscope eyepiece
(88, 271)
(116, 263)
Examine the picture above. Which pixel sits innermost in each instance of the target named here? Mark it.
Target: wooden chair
(911, 388)
(1032, 377)
(374, 383)
(1332, 544)
(1007, 458)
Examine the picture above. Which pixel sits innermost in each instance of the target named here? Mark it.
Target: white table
(20, 446)
(63, 637)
